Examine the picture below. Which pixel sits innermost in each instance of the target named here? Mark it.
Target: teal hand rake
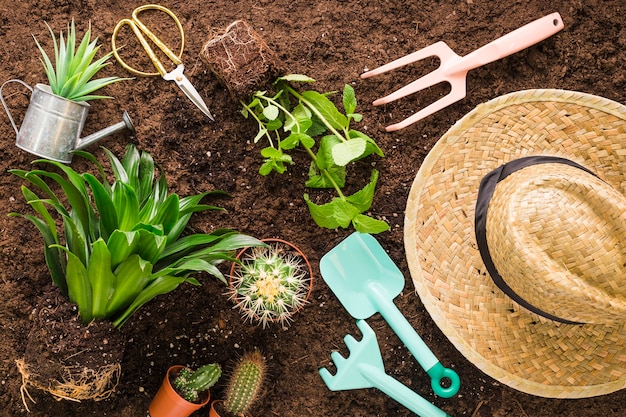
(365, 280)
(364, 368)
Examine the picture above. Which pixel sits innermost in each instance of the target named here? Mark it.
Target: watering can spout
(126, 123)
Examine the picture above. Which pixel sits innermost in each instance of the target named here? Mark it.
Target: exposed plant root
(242, 61)
(78, 383)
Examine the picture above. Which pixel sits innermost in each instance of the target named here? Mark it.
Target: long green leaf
(230, 242)
(77, 200)
(189, 242)
(77, 181)
(121, 245)
(150, 245)
(104, 203)
(38, 205)
(98, 165)
(101, 278)
(130, 162)
(84, 54)
(36, 181)
(79, 287)
(52, 254)
(159, 286)
(126, 205)
(167, 213)
(131, 277)
(117, 167)
(146, 176)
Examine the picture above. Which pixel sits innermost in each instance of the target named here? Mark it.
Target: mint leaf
(297, 78)
(345, 152)
(271, 112)
(357, 117)
(300, 120)
(371, 146)
(295, 139)
(337, 213)
(318, 179)
(349, 99)
(325, 151)
(367, 224)
(266, 168)
(273, 125)
(270, 152)
(326, 109)
(317, 127)
(363, 198)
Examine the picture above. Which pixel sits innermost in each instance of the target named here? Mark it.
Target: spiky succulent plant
(270, 283)
(245, 383)
(71, 74)
(191, 384)
(120, 243)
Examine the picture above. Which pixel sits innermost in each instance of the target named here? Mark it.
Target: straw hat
(535, 295)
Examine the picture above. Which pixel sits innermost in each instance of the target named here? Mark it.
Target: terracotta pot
(292, 247)
(213, 412)
(167, 402)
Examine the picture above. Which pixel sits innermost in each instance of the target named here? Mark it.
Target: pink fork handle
(528, 35)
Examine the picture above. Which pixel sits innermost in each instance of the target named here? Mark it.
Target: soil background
(332, 41)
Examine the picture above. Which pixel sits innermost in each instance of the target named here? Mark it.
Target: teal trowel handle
(414, 343)
(399, 392)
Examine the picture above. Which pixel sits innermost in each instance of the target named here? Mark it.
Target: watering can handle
(4, 104)
(414, 343)
(399, 392)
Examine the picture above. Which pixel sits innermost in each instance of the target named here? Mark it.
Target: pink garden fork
(453, 68)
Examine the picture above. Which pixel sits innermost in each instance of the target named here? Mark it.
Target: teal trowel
(365, 280)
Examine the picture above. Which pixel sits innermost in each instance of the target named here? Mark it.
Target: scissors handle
(139, 29)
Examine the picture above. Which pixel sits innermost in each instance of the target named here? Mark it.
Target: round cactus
(270, 283)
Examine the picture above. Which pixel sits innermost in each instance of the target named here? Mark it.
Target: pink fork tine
(439, 49)
(457, 93)
(426, 81)
(454, 68)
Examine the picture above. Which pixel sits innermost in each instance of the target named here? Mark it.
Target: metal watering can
(52, 124)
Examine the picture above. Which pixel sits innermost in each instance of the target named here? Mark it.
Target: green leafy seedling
(310, 120)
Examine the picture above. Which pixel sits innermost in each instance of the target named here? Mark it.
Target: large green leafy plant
(71, 74)
(310, 120)
(122, 243)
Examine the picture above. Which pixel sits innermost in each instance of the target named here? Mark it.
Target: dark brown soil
(332, 41)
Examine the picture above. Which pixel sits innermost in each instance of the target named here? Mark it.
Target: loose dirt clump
(242, 60)
(66, 358)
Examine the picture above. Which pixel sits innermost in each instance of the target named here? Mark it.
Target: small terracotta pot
(168, 403)
(292, 247)
(213, 412)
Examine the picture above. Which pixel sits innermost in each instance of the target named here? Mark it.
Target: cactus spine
(245, 383)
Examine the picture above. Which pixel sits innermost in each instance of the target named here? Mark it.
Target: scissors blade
(189, 90)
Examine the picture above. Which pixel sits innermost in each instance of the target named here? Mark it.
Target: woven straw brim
(514, 346)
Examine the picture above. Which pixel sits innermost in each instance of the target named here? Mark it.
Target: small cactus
(191, 384)
(270, 283)
(245, 383)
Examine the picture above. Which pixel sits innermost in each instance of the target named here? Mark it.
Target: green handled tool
(364, 368)
(365, 280)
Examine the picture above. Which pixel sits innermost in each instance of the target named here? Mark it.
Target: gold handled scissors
(139, 29)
